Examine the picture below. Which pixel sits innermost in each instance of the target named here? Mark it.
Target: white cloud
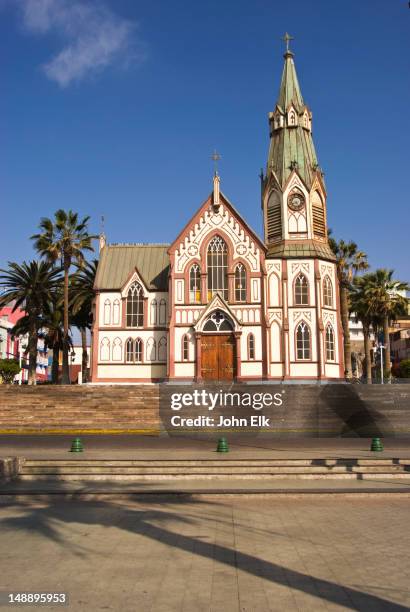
(94, 38)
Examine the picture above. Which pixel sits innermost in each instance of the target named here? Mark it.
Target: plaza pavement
(211, 556)
(195, 447)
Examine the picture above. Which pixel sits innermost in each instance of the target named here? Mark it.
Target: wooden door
(218, 357)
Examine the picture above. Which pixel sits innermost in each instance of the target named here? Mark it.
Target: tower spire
(291, 145)
(293, 191)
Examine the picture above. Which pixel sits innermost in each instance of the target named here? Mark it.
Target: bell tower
(293, 188)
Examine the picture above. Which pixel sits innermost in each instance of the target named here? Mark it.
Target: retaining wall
(307, 410)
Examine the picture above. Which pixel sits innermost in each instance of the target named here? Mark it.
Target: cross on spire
(287, 38)
(216, 157)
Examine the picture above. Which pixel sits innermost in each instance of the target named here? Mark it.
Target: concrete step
(110, 477)
(256, 471)
(222, 460)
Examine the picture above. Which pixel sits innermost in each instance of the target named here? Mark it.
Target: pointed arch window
(116, 312)
(129, 350)
(217, 260)
(105, 349)
(154, 312)
(107, 312)
(240, 283)
(117, 349)
(330, 343)
(162, 312)
(135, 306)
(185, 348)
(327, 292)
(134, 350)
(302, 341)
(195, 284)
(139, 347)
(162, 349)
(151, 350)
(301, 290)
(251, 347)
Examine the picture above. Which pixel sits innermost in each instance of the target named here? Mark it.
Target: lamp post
(72, 355)
(22, 349)
(381, 347)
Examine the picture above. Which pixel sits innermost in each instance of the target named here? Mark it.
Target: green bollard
(222, 446)
(377, 445)
(76, 446)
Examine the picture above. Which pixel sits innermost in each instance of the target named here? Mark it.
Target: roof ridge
(138, 244)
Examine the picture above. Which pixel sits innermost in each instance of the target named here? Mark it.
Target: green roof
(289, 88)
(291, 144)
(301, 250)
(118, 261)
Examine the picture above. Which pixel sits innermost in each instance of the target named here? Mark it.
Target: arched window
(139, 347)
(151, 350)
(105, 350)
(185, 348)
(327, 292)
(217, 261)
(135, 306)
(251, 346)
(129, 351)
(162, 312)
(195, 284)
(301, 290)
(240, 283)
(107, 312)
(117, 349)
(116, 312)
(162, 349)
(330, 343)
(302, 341)
(154, 312)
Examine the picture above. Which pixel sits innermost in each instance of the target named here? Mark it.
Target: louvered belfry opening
(318, 216)
(274, 217)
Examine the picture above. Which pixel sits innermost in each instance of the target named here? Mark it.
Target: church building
(220, 302)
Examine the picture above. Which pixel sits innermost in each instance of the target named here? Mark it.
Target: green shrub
(9, 368)
(404, 368)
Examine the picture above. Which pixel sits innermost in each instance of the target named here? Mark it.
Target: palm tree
(385, 296)
(64, 239)
(30, 286)
(82, 304)
(349, 261)
(361, 306)
(55, 333)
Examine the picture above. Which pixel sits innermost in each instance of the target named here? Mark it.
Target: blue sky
(114, 108)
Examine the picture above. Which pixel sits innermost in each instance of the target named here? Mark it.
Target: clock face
(296, 201)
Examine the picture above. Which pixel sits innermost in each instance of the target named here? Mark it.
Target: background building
(16, 348)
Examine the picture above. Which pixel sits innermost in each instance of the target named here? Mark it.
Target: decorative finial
(287, 38)
(216, 157)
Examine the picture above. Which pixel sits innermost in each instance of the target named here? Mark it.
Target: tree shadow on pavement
(149, 523)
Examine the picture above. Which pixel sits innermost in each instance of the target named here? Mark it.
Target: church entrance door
(218, 357)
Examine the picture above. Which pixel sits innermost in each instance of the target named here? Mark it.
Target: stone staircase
(223, 468)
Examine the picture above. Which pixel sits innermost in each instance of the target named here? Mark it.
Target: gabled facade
(219, 303)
